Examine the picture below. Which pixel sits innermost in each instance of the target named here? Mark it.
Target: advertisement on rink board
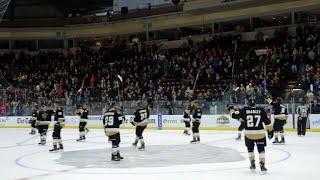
(314, 120)
(157, 121)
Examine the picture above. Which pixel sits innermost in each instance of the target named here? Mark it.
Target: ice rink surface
(168, 155)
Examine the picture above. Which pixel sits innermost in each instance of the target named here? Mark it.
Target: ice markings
(154, 156)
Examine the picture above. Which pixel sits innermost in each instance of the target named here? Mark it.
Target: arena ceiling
(19, 9)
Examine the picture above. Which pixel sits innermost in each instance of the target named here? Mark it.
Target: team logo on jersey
(223, 120)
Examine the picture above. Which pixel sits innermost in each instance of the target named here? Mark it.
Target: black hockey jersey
(44, 117)
(84, 115)
(58, 114)
(186, 114)
(253, 119)
(111, 121)
(197, 113)
(34, 114)
(59, 117)
(141, 116)
(279, 110)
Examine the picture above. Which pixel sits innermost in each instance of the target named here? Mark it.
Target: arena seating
(160, 74)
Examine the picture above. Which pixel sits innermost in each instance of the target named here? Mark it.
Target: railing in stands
(87, 20)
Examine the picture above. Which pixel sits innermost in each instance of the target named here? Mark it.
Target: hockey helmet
(139, 104)
(195, 104)
(279, 99)
(252, 102)
(111, 104)
(79, 106)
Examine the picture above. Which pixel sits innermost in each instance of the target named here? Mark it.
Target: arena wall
(174, 122)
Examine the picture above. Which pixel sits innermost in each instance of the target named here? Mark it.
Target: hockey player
(59, 124)
(111, 122)
(186, 119)
(83, 113)
(33, 120)
(254, 118)
(280, 119)
(196, 120)
(303, 113)
(43, 121)
(140, 121)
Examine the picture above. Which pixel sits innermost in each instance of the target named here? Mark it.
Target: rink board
(209, 122)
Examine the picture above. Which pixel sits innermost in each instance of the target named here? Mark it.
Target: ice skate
(115, 158)
(263, 168)
(185, 132)
(54, 149)
(32, 132)
(194, 141)
(42, 143)
(253, 166)
(135, 143)
(142, 147)
(282, 141)
(81, 139)
(276, 141)
(60, 146)
(119, 156)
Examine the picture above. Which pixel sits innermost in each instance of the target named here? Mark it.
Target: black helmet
(79, 106)
(251, 102)
(139, 104)
(279, 100)
(195, 104)
(43, 107)
(111, 104)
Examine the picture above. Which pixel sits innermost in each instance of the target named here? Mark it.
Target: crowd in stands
(151, 73)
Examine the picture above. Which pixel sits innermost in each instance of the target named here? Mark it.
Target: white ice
(22, 158)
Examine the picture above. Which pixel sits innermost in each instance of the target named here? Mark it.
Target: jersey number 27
(253, 120)
(143, 115)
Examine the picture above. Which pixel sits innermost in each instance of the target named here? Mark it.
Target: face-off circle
(156, 159)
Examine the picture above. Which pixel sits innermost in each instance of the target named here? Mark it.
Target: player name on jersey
(252, 111)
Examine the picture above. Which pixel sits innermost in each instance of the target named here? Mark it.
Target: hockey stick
(195, 82)
(197, 77)
(28, 139)
(80, 90)
(78, 93)
(120, 93)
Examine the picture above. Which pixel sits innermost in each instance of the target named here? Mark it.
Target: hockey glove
(270, 134)
(269, 99)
